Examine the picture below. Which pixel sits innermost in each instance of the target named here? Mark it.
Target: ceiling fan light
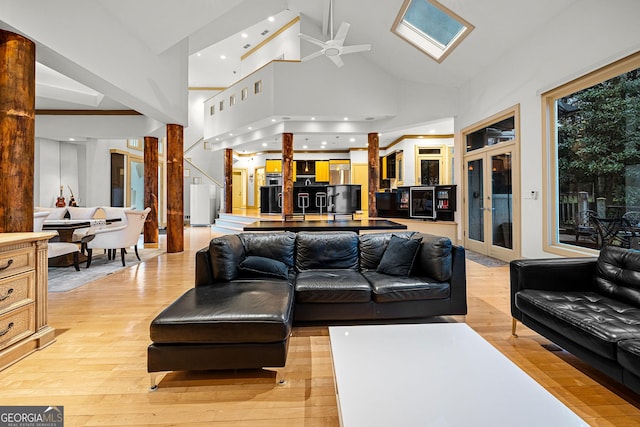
(332, 51)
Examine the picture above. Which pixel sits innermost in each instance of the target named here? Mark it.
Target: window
(593, 135)
(498, 132)
(232, 100)
(431, 27)
(136, 144)
(221, 106)
(212, 110)
(244, 94)
(257, 87)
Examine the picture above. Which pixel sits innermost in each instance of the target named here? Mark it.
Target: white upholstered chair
(56, 249)
(82, 213)
(120, 236)
(53, 213)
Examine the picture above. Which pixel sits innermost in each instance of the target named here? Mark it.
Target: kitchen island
(341, 199)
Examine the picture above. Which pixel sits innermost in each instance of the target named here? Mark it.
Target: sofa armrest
(551, 274)
(204, 270)
(458, 281)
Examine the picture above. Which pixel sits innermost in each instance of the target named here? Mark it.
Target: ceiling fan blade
(342, 33)
(356, 48)
(336, 60)
(312, 40)
(311, 56)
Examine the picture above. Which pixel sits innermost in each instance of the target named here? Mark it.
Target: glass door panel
(136, 184)
(502, 200)
(429, 172)
(475, 198)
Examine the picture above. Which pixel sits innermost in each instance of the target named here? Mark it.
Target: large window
(593, 127)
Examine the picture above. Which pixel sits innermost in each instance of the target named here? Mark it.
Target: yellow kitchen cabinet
(273, 166)
(322, 171)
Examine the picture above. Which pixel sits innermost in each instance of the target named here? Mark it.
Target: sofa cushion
(280, 246)
(54, 213)
(393, 288)
(226, 253)
(629, 355)
(237, 312)
(327, 250)
(373, 246)
(434, 258)
(257, 266)
(331, 286)
(399, 256)
(618, 274)
(589, 319)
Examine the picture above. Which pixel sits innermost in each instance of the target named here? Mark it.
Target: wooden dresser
(23, 295)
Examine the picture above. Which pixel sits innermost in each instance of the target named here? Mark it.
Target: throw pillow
(257, 266)
(399, 256)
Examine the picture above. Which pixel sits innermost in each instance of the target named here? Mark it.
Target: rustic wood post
(175, 188)
(287, 174)
(374, 172)
(17, 131)
(151, 191)
(228, 180)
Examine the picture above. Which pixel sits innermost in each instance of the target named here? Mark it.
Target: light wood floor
(97, 367)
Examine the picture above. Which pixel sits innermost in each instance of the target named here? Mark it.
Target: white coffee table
(441, 374)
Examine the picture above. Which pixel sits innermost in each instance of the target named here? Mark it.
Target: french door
(490, 203)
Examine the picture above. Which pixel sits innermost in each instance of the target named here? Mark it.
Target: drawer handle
(6, 331)
(7, 266)
(4, 297)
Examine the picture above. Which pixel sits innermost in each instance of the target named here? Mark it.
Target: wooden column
(228, 180)
(374, 172)
(17, 131)
(175, 188)
(151, 191)
(287, 174)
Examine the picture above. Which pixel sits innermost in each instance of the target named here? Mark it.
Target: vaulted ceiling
(216, 27)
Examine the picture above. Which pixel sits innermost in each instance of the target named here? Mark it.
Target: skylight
(431, 27)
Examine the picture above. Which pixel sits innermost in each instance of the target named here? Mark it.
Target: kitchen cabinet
(273, 166)
(322, 170)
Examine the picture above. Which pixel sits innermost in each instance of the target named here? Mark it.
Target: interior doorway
(238, 185)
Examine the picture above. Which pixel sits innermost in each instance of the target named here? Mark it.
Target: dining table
(66, 229)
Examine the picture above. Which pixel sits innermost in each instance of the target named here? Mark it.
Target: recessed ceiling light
(223, 56)
(72, 139)
(346, 118)
(245, 35)
(217, 139)
(305, 147)
(230, 134)
(313, 118)
(273, 120)
(249, 128)
(271, 19)
(324, 143)
(352, 140)
(198, 54)
(264, 144)
(432, 131)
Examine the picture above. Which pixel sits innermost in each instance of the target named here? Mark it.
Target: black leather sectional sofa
(588, 306)
(251, 288)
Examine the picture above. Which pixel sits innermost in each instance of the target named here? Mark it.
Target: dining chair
(56, 249)
(119, 237)
(82, 213)
(53, 213)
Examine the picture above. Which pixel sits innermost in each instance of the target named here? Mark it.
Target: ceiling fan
(333, 48)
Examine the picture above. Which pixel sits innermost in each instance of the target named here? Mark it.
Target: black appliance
(445, 202)
(344, 198)
(422, 202)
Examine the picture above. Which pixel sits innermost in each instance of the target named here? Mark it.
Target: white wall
(589, 34)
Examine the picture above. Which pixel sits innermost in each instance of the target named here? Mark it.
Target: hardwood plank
(97, 367)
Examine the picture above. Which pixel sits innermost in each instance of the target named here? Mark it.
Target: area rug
(487, 261)
(63, 279)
